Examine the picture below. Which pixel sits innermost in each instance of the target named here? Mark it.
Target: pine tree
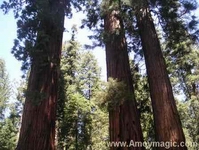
(67, 111)
(88, 74)
(78, 113)
(4, 89)
(10, 112)
(142, 95)
(8, 134)
(7, 129)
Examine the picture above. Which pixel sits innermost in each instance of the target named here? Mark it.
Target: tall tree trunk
(124, 123)
(168, 127)
(38, 121)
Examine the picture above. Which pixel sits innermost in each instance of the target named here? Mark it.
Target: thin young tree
(4, 89)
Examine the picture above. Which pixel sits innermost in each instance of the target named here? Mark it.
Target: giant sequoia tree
(182, 63)
(38, 120)
(124, 120)
(40, 29)
(170, 14)
(167, 122)
(38, 45)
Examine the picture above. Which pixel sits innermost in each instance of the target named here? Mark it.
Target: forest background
(80, 122)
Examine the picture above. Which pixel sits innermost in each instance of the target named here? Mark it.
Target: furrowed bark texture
(168, 127)
(38, 121)
(124, 123)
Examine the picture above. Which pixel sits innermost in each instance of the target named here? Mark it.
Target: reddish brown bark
(167, 122)
(38, 121)
(124, 123)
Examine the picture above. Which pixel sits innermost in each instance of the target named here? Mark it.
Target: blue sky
(8, 34)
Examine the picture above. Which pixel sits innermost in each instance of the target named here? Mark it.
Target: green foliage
(16, 5)
(109, 6)
(142, 96)
(6, 127)
(72, 125)
(179, 31)
(10, 113)
(189, 115)
(83, 98)
(114, 93)
(88, 74)
(8, 135)
(4, 88)
(78, 114)
(27, 24)
(33, 33)
(175, 18)
(178, 22)
(9, 127)
(99, 132)
(67, 73)
(83, 126)
(183, 67)
(182, 63)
